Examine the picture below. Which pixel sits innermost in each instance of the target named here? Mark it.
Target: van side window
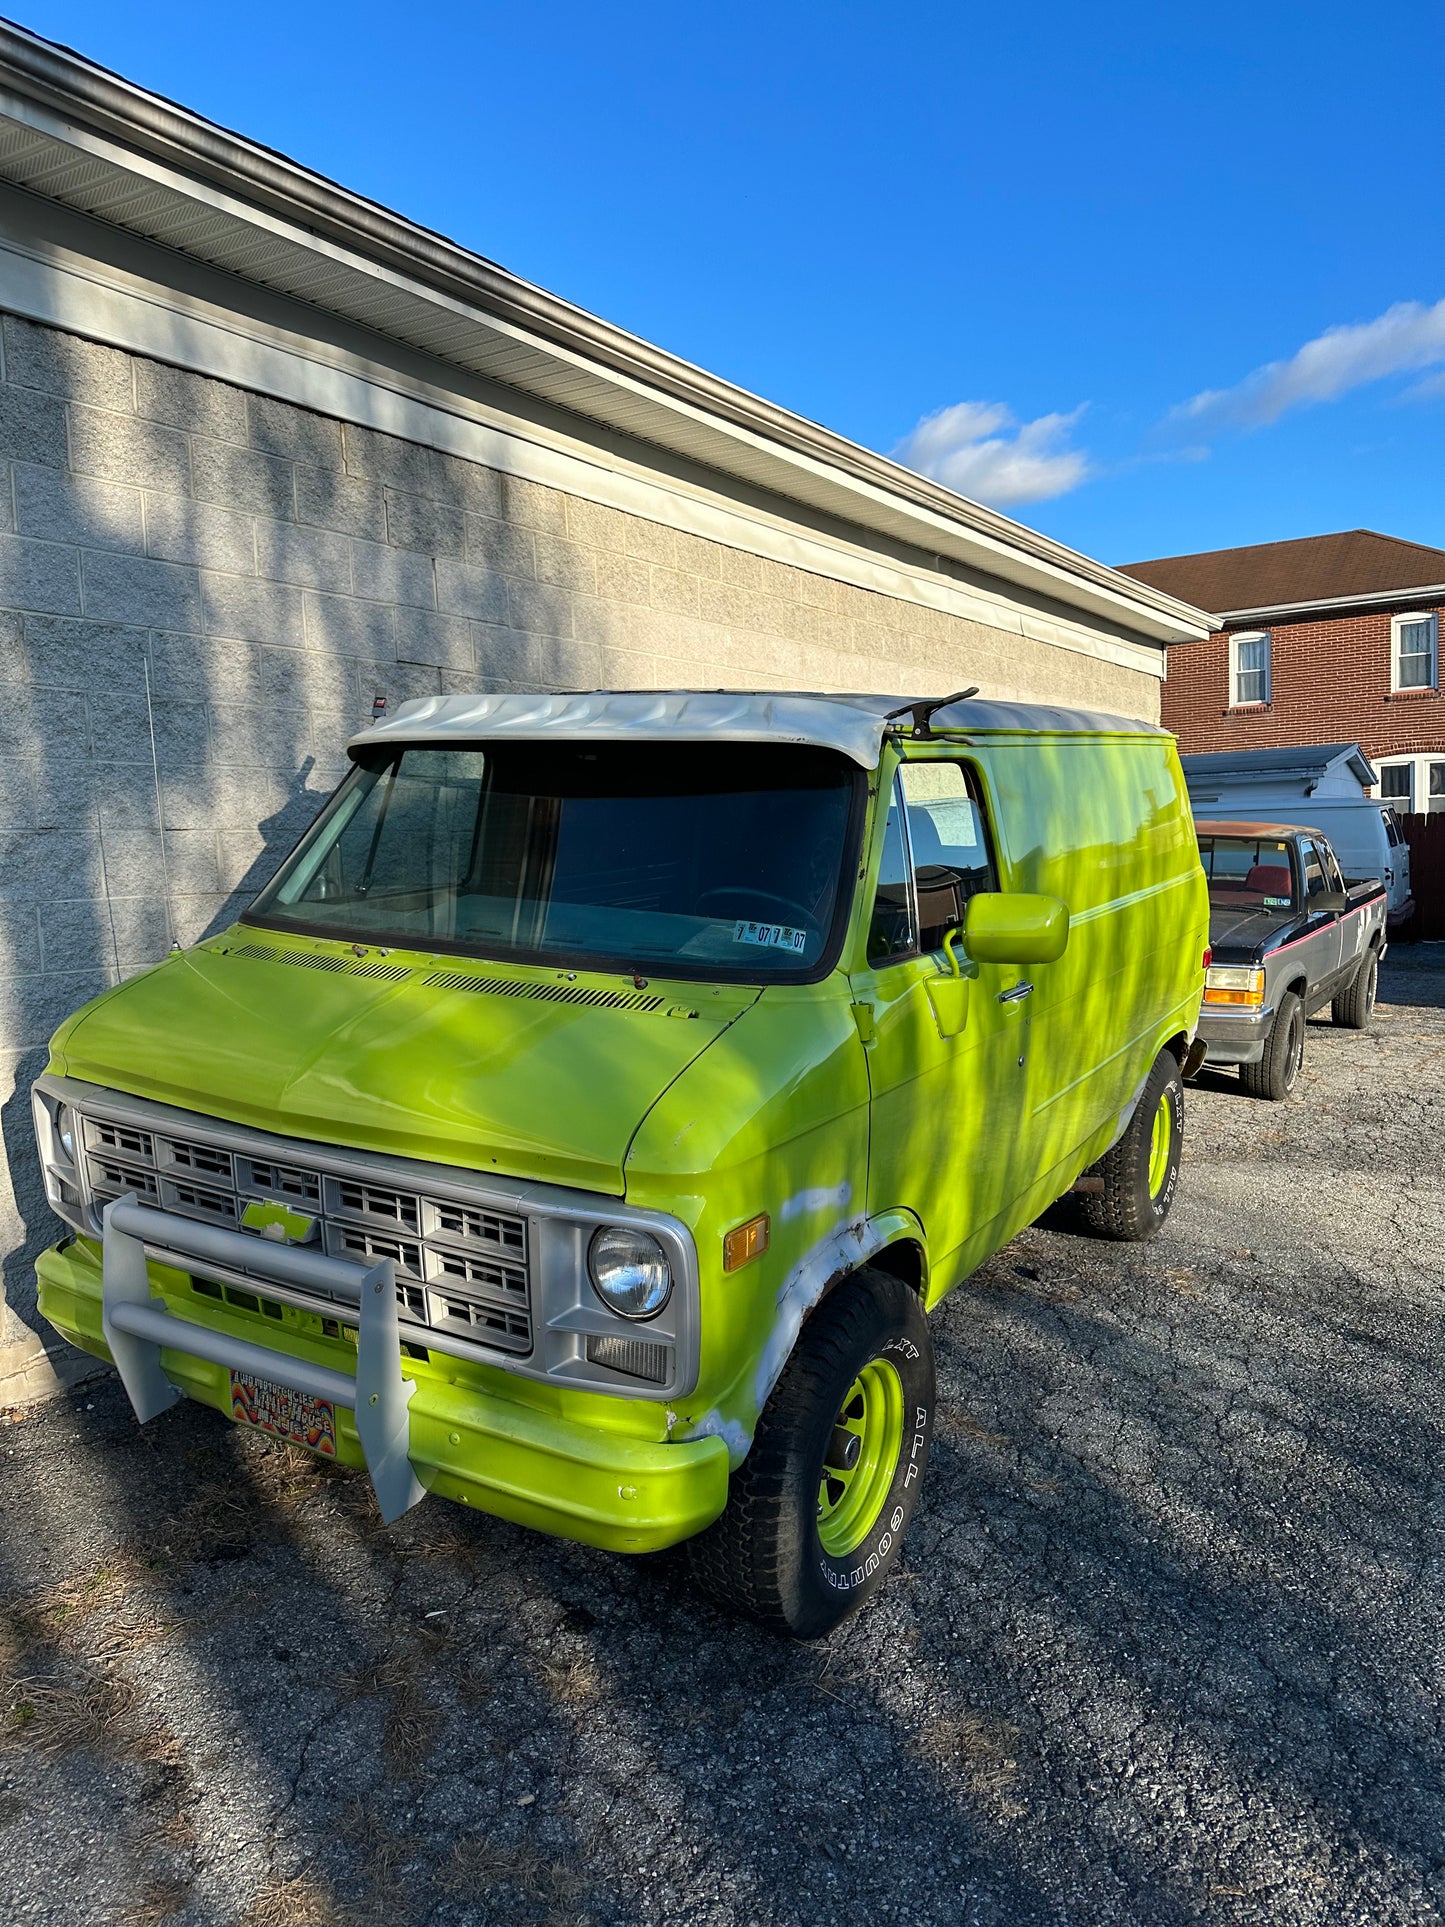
(891, 930)
(949, 842)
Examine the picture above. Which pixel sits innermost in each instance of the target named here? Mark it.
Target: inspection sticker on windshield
(283, 1413)
(777, 936)
(1276, 903)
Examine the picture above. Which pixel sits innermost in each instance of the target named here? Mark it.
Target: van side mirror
(1010, 927)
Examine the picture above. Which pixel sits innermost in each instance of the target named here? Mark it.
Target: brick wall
(201, 592)
(1329, 683)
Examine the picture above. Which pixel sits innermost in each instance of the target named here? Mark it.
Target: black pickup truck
(1286, 935)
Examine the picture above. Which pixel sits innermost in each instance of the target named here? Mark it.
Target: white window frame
(1397, 624)
(1251, 635)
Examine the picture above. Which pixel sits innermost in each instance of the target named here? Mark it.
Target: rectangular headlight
(1237, 985)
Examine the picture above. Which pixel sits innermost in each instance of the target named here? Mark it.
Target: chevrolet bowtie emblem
(279, 1222)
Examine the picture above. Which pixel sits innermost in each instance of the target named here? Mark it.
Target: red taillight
(1208, 953)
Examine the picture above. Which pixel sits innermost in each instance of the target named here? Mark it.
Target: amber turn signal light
(746, 1241)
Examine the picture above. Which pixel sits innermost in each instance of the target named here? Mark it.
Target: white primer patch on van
(818, 1197)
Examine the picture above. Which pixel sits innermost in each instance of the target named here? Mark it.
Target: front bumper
(515, 1461)
(1235, 1036)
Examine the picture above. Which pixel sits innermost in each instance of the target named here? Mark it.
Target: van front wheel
(817, 1511)
(1136, 1180)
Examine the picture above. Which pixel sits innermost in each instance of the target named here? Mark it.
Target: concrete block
(566, 564)
(245, 734)
(399, 682)
(218, 799)
(533, 506)
(596, 525)
(19, 939)
(45, 723)
(385, 458)
(247, 610)
(61, 653)
(310, 557)
(624, 579)
(138, 864)
(694, 556)
(27, 799)
(93, 933)
(125, 588)
(394, 575)
(120, 448)
(649, 541)
(7, 499)
(244, 862)
(445, 641)
(36, 865)
(742, 568)
(43, 576)
(331, 500)
(56, 507)
(541, 608)
(130, 731)
(346, 626)
(205, 669)
(467, 485)
(467, 591)
(516, 657)
(301, 679)
(242, 478)
(414, 522)
(195, 915)
(280, 429)
(65, 365)
(501, 547)
(674, 592)
(190, 402)
(33, 1008)
(116, 794)
(180, 530)
(32, 428)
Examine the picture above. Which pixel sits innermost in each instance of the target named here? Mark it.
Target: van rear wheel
(1137, 1179)
(1355, 1005)
(817, 1511)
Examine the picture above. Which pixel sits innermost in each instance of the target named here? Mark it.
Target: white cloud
(980, 449)
(1404, 338)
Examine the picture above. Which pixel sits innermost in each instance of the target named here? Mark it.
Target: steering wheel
(750, 897)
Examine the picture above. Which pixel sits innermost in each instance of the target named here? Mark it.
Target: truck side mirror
(1328, 900)
(1010, 927)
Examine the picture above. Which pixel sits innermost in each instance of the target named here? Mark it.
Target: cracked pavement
(1166, 1646)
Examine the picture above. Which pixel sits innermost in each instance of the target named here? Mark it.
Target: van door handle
(1016, 995)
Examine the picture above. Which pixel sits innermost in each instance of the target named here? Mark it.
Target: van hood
(531, 1073)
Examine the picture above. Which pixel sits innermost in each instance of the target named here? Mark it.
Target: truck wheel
(817, 1511)
(1355, 1005)
(1141, 1172)
(1274, 1076)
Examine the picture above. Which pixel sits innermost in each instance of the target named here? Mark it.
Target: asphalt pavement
(1167, 1644)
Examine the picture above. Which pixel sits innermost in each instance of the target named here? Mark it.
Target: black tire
(1275, 1075)
(764, 1557)
(1134, 1200)
(1354, 1007)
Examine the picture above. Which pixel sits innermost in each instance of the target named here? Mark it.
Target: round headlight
(65, 1130)
(630, 1271)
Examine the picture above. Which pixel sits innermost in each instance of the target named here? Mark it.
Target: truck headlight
(629, 1271)
(1234, 985)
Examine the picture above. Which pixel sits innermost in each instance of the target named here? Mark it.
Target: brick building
(1330, 638)
(268, 450)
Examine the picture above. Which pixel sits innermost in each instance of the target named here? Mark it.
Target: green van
(583, 1120)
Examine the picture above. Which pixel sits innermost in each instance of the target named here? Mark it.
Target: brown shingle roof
(1316, 568)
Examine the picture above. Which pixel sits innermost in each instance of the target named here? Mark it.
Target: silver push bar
(136, 1326)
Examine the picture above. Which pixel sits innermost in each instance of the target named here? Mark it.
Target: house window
(1413, 652)
(1395, 786)
(1435, 800)
(1249, 669)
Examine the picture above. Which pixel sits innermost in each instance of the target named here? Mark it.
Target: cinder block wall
(202, 591)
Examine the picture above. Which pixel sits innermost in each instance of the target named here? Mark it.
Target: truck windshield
(720, 860)
(1247, 872)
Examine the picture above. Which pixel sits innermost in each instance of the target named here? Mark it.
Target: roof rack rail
(924, 708)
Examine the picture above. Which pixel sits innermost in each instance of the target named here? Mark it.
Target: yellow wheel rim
(861, 1458)
(1159, 1146)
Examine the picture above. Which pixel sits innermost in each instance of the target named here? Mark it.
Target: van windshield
(1248, 872)
(722, 860)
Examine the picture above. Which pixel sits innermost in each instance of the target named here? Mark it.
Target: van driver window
(950, 846)
(890, 933)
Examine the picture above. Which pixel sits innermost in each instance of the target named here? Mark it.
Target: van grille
(460, 1268)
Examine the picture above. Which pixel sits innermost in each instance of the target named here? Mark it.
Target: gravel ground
(1167, 1646)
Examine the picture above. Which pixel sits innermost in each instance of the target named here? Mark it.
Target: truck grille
(460, 1268)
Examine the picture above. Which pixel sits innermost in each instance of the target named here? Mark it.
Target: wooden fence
(1426, 838)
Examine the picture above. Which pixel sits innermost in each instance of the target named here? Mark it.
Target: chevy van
(583, 1122)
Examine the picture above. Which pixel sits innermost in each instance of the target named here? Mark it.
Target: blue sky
(1044, 233)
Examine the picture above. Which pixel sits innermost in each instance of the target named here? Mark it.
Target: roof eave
(1332, 605)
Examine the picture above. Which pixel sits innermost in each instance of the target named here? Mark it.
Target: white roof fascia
(145, 164)
(852, 725)
(1322, 605)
